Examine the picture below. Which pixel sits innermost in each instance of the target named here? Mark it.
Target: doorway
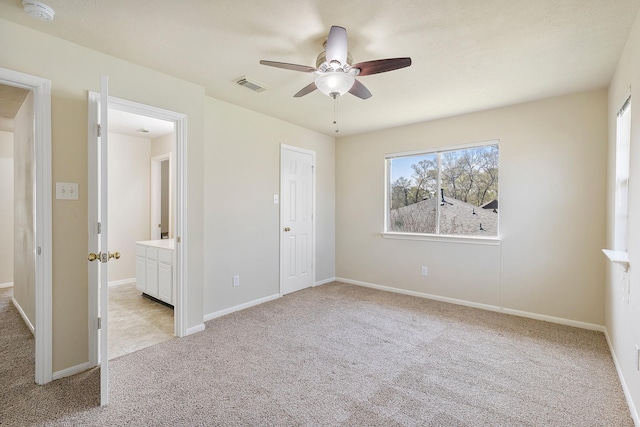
(32, 211)
(138, 145)
(124, 108)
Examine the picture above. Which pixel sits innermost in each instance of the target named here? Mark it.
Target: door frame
(285, 147)
(180, 129)
(41, 89)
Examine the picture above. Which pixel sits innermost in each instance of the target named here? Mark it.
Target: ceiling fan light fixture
(334, 83)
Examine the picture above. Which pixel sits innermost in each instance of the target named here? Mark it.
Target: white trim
(313, 210)
(249, 304)
(482, 306)
(23, 315)
(6, 285)
(114, 283)
(470, 240)
(43, 269)
(181, 237)
(194, 329)
(625, 388)
(325, 281)
(72, 370)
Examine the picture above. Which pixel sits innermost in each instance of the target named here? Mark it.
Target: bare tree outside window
(449, 192)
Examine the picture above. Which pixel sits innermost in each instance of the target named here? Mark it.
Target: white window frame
(479, 240)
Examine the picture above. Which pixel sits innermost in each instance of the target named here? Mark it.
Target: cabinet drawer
(165, 256)
(140, 251)
(152, 253)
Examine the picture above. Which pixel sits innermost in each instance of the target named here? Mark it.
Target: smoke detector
(38, 10)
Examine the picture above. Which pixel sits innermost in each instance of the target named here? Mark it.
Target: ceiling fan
(335, 74)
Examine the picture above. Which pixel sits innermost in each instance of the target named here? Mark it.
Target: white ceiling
(468, 55)
(131, 124)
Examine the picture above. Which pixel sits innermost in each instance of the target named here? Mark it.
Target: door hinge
(99, 130)
(39, 250)
(99, 322)
(99, 227)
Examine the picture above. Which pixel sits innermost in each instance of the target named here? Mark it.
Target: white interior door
(98, 232)
(297, 189)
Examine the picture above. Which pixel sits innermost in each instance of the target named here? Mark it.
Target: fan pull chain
(335, 113)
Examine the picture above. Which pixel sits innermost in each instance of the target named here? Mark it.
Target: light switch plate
(275, 199)
(67, 190)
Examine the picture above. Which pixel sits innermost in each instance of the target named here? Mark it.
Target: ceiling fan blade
(286, 66)
(359, 90)
(381, 65)
(337, 48)
(305, 90)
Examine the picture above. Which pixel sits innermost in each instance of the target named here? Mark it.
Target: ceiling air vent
(251, 84)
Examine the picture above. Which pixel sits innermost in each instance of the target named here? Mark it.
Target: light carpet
(345, 355)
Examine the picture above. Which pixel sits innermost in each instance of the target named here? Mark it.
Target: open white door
(297, 189)
(98, 232)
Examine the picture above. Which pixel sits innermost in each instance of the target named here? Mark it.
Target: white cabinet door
(152, 277)
(165, 282)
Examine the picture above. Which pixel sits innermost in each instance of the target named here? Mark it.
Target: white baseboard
(625, 388)
(519, 313)
(122, 282)
(24, 315)
(6, 285)
(325, 281)
(194, 329)
(72, 370)
(230, 310)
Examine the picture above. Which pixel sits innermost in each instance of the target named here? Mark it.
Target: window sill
(469, 240)
(618, 257)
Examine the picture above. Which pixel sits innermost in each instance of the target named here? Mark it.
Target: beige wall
(163, 144)
(24, 262)
(129, 206)
(623, 318)
(242, 173)
(73, 71)
(6, 207)
(552, 187)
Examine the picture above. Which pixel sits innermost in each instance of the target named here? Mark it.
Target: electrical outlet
(236, 280)
(424, 271)
(66, 190)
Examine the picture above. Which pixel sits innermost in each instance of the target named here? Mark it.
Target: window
(447, 192)
(621, 210)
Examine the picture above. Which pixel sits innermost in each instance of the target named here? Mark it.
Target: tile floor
(136, 322)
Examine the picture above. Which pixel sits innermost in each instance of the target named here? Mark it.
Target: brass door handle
(98, 256)
(287, 229)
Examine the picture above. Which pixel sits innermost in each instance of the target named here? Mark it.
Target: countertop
(163, 244)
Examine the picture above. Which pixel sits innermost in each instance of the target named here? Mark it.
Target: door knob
(105, 258)
(287, 229)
